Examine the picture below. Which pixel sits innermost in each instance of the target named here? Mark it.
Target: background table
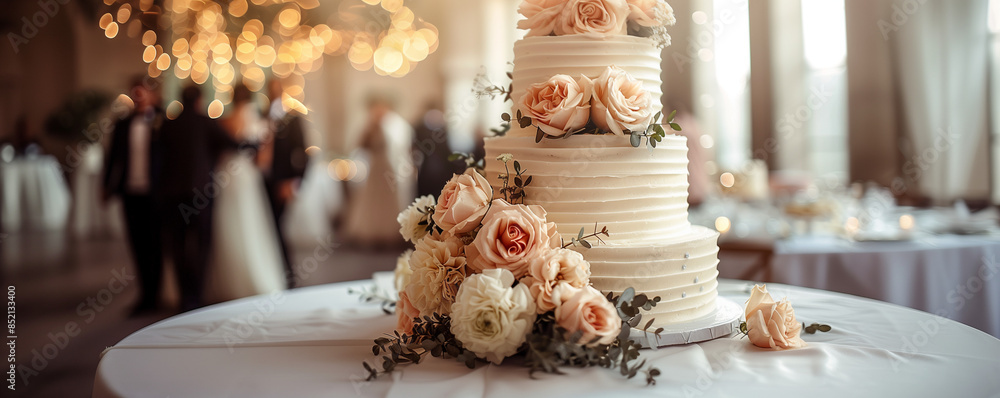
(310, 342)
(954, 276)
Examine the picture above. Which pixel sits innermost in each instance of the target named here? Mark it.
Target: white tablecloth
(957, 277)
(310, 343)
(34, 194)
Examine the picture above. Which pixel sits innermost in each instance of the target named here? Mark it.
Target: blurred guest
(283, 161)
(431, 148)
(190, 147)
(130, 173)
(246, 256)
(390, 184)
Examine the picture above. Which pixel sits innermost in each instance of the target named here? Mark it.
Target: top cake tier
(536, 59)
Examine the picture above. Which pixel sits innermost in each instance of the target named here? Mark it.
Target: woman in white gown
(246, 258)
(391, 183)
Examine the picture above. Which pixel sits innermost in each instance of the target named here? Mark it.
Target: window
(825, 52)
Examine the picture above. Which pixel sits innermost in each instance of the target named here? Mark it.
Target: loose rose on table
(558, 106)
(620, 102)
(511, 236)
(490, 317)
(771, 324)
(593, 17)
(463, 202)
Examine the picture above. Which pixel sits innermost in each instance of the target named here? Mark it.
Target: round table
(954, 276)
(310, 342)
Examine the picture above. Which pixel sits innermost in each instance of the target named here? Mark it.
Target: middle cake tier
(640, 195)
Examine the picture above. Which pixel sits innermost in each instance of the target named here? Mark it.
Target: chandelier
(224, 42)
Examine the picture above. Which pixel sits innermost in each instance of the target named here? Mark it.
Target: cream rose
(593, 17)
(438, 270)
(588, 311)
(770, 324)
(490, 318)
(540, 16)
(512, 235)
(463, 202)
(620, 102)
(558, 106)
(547, 271)
(651, 12)
(410, 219)
(402, 273)
(405, 314)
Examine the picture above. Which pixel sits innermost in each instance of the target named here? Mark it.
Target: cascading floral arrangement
(490, 278)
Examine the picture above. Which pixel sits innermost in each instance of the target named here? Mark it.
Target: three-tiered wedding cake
(586, 84)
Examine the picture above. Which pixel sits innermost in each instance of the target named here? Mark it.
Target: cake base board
(720, 323)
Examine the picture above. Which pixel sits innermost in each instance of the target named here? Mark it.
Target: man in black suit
(283, 162)
(130, 172)
(190, 146)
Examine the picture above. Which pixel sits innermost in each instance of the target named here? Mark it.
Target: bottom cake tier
(682, 271)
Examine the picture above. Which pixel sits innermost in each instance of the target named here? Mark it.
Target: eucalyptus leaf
(635, 139)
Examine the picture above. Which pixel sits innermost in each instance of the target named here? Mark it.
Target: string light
(211, 41)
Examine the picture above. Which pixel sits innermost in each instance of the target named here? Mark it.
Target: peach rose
(438, 271)
(463, 202)
(547, 271)
(587, 310)
(405, 313)
(558, 106)
(512, 235)
(620, 102)
(541, 16)
(651, 12)
(593, 17)
(769, 324)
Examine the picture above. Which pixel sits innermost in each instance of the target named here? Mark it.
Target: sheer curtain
(941, 55)
(932, 119)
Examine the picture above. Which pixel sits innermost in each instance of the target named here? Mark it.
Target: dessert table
(954, 276)
(310, 342)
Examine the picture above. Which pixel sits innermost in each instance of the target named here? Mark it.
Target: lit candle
(906, 222)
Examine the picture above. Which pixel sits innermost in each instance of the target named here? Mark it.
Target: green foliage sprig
(428, 220)
(513, 189)
(373, 294)
(431, 334)
(482, 87)
(581, 239)
(811, 329)
(469, 159)
(816, 327)
(655, 132)
(549, 347)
